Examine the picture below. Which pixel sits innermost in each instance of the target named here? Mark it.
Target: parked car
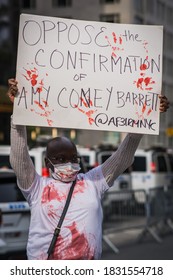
(37, 156)
(151, 168)
(4, 157)
(120, 192)
(120, 189)
(89, 157)
(14, 215)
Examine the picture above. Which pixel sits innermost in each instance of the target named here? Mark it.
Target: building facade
(147, 12)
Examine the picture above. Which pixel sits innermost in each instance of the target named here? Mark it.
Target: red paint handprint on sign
(144, 113)
(89, 112)
(144, 82)
(32, 76)
(43, 112)
(117, 43)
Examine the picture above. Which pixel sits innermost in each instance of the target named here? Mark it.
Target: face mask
(65, 172)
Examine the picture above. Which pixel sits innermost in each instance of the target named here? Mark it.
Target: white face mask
(65, 172)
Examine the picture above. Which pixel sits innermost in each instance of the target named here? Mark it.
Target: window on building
(160, 9)
(4, 34)
(4, 2)
(150, 7)
(139, 6)
(28, 4)
(169, 90)
(138, 20)
(110, 18)
(109, 1)
(169, 16)
(61, 3)
(164, 64)
(169, 68)
(169, 41)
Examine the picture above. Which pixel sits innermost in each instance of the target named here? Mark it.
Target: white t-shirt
(80, 237)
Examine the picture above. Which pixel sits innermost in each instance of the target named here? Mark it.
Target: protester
(81, 233)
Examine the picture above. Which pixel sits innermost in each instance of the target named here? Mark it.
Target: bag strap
(58, 228)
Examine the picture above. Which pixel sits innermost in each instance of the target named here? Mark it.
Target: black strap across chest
(58, 228)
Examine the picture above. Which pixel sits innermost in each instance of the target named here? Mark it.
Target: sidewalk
(146, 249)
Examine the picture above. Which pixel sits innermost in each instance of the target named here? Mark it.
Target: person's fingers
(164, 103)
(12, 81)
(12, 90)
(12, 86)
(164, 107)
(11, 96)
(163, 99)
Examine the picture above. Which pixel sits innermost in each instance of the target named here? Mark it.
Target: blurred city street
(147, 249)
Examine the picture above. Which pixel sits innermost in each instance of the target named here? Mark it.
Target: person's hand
(164, 103)
(12, 89)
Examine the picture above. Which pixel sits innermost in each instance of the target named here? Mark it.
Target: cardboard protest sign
(88, 75)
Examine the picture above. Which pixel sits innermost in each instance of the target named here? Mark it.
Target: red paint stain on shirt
(79, 187)
(52, 213)
(75, 247)
(50, 193)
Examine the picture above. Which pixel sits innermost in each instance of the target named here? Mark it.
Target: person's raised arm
(123, 157)
(19, 156)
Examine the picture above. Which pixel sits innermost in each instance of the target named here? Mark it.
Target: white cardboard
(88, 75)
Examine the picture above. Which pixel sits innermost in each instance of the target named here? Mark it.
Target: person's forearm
(121, 159)
(19, 156)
